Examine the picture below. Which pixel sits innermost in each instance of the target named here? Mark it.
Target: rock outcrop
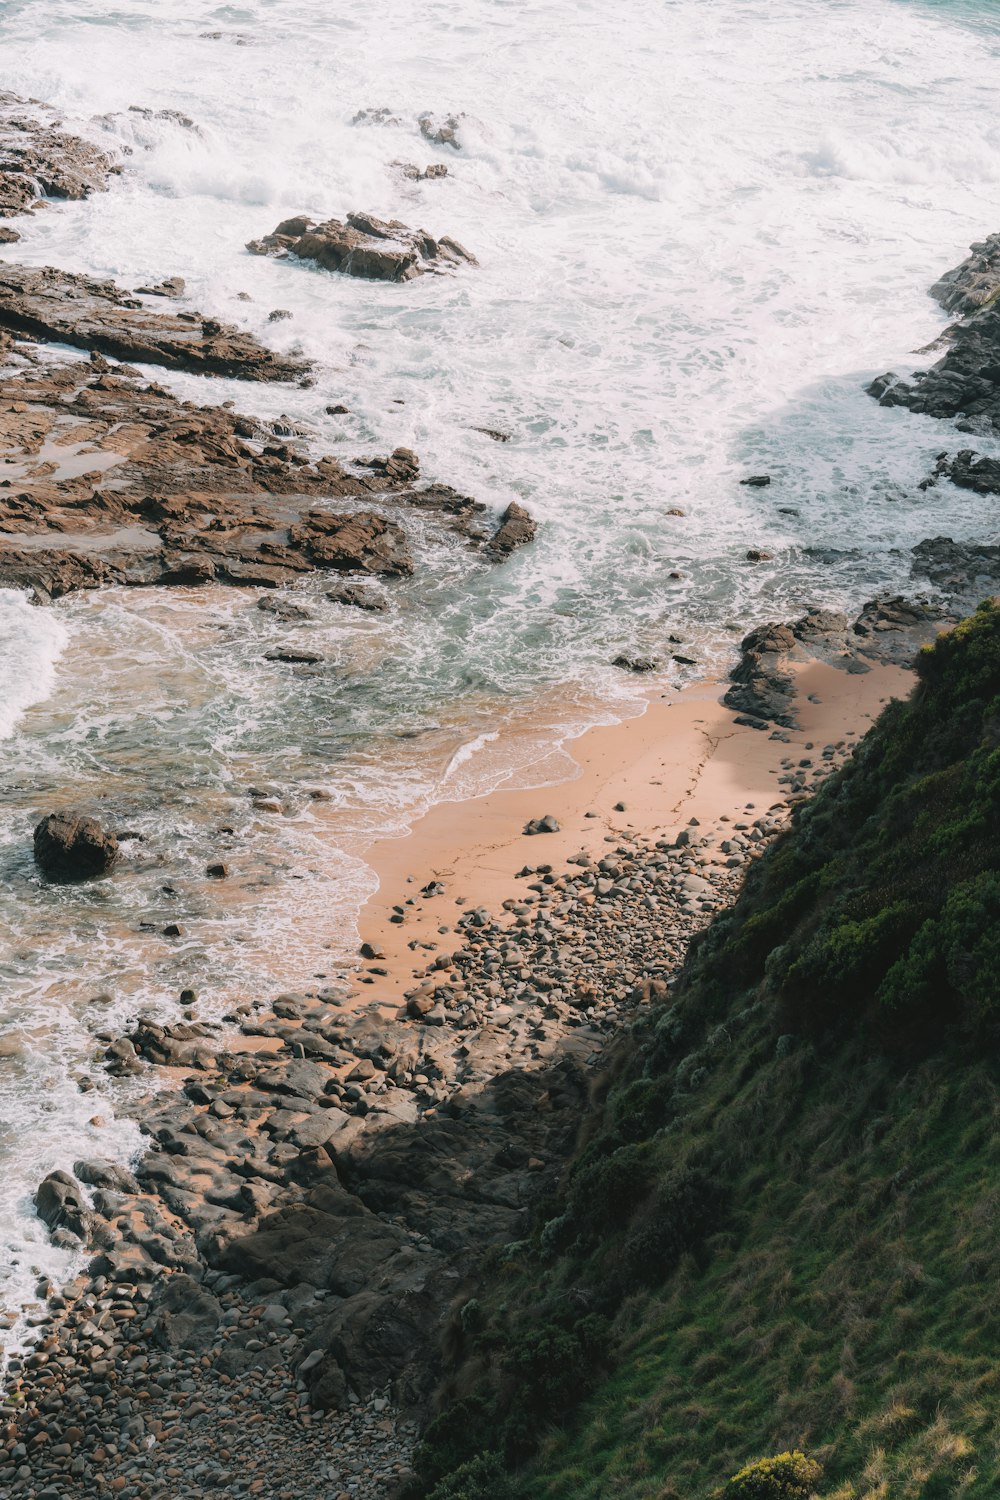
(975, 282)
(969, 470)
(376, 249)
(965, 382)
(516, 529)
(71, 846)
(108, 479)
(38, 158)
(65, 308)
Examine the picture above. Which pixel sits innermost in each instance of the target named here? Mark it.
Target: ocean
(701, 229)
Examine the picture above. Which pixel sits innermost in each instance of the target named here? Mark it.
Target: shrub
(955, 957)
(689, 1206)
(607, 1190)
(482, 1478)
(788, 1476)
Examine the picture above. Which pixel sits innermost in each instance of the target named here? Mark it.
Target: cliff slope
(780, 1233)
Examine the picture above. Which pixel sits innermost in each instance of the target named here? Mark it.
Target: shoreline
(287, 1250)
(683, 757)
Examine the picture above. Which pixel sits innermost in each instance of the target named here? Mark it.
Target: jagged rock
(414, 174)
(60, 1204)
(46, 303)
(516, 529)
(975, 282)
(357, 596)
(72, 846)
(969, 470)
(757, 481)
(441, 132)
(965, 382)
(362, 543)
(376, 249)
(172, 287)
(37, 157)
(184, 494)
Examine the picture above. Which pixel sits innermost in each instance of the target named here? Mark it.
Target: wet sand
(685, 757)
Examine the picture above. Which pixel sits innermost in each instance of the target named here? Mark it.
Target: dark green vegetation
(781, 1238)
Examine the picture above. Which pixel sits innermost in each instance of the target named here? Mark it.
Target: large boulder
(71, 846)
(187, 1315)
(516, 528)
(60, 1204)
(376, 249)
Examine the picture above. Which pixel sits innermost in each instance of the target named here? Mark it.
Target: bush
(689, 1206)
(955, 957)
(483, 1478)
(607, 1190)
(788, 1476)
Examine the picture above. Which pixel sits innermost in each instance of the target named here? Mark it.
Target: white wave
(31, 642)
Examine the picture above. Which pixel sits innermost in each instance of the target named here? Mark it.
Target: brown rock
(516, 529)
(376, 249)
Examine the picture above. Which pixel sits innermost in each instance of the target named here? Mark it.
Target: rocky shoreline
(268, 1289)
(271, 1282)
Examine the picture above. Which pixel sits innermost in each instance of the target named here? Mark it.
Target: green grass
(783, 1232)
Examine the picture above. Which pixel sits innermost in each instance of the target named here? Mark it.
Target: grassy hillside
(783, 1233)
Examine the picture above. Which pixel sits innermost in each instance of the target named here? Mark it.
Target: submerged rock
(376, 249)
(72, 846)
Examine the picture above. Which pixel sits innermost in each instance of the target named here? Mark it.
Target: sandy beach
(685, 757)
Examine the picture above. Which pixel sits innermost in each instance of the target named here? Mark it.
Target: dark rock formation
(965, 383)
(636, 663)
(37, 157)
(969, 470)
(376, 249)
(70, 846)
(66, 308)
(761, 690)
(60, 1204)
(889, 630)
(965, 570)
(516, 529)
(975, 282)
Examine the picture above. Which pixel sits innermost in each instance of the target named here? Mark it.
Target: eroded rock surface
(376, 249)
(38, 158)
(975, 282)
(965, 382)
(105, 478)
(60, 306)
